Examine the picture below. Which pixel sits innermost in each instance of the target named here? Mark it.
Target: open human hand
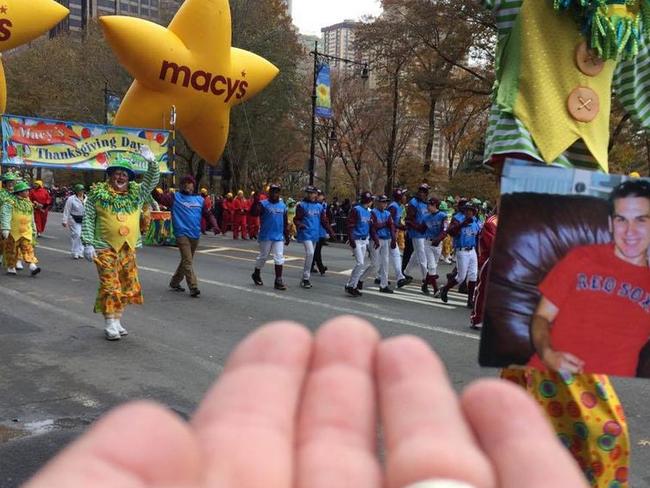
(295, 411)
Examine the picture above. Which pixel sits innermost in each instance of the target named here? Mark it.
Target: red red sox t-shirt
(604, 309)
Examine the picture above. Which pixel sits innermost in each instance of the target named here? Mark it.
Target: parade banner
(29, 141)
(323, 92)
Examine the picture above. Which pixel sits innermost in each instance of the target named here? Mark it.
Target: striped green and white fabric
(506, 134)
(90, 234)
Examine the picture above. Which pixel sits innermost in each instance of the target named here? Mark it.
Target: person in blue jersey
(397, 209)
(465, 236)
(323, 236)
(359, 233)
(187, 210)
(382, 234)
(436, 222)
(416, 214)
(310, 215)
(273, 234)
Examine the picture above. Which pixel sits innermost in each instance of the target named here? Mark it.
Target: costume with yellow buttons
(557, 63)
(112, 227)
(18, 220)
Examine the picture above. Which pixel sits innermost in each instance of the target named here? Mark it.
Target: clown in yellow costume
(9, 180)
(19, 229)
(557, 64)
(111, 234)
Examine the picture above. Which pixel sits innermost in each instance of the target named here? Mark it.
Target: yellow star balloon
(22, 21)
(191, 65)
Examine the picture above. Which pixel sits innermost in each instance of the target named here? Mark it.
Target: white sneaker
(111, 332)
(19, 265)
(11, 271)
(119, 328)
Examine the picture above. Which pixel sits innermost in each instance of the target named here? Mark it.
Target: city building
(338, 40)
(82, 11)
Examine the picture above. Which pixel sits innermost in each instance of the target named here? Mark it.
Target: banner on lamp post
(323, 92)
(112, 102)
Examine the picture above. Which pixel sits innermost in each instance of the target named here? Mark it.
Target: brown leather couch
(535, 232)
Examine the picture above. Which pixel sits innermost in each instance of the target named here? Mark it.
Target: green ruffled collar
(107, 198)
(23, 205)
(610, 33)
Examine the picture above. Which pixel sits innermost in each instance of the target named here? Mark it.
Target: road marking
(337, 309)
(402, 297)
(250, 251)
(213, 249)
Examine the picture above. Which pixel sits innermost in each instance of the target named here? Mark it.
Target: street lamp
(317, 56)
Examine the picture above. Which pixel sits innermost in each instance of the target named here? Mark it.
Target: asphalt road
(58, 374)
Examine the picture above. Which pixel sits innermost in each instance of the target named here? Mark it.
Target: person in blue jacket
(187, 209)
(273, 234)
(310, 215)
(465, 236)
(416, 214)
(436, 222)
(359, 233)
(382, 235)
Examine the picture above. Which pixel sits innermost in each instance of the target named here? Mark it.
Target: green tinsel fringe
(612, 37)
(104, 196)
(23, 205)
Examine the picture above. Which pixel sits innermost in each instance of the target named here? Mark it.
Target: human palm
(292, 411)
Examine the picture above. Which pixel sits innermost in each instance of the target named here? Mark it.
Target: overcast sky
(311, 15)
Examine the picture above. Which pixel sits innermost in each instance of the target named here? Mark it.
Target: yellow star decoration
(22, 21)
(190, 64)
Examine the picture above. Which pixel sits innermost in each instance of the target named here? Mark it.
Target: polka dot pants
(587, 417)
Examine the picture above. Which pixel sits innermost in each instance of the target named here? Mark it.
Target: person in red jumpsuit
(486, 240)
(240, 208)
(228, 213)
(253, 220)
(42, 201)
(208, 205)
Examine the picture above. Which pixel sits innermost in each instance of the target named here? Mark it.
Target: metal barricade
(341, 229)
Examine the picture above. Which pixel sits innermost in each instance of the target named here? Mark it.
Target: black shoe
(356, 292)
(323, 271)
(386, 290)
(257, 279)
(35, 271)
(377, 281)
(195, 292)
(443, 294)
(349, 290)
(279, 285)
(425, 288)
(360, 285)
(402, 283)
(305, 284)
(408, 277)
(177, 288)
